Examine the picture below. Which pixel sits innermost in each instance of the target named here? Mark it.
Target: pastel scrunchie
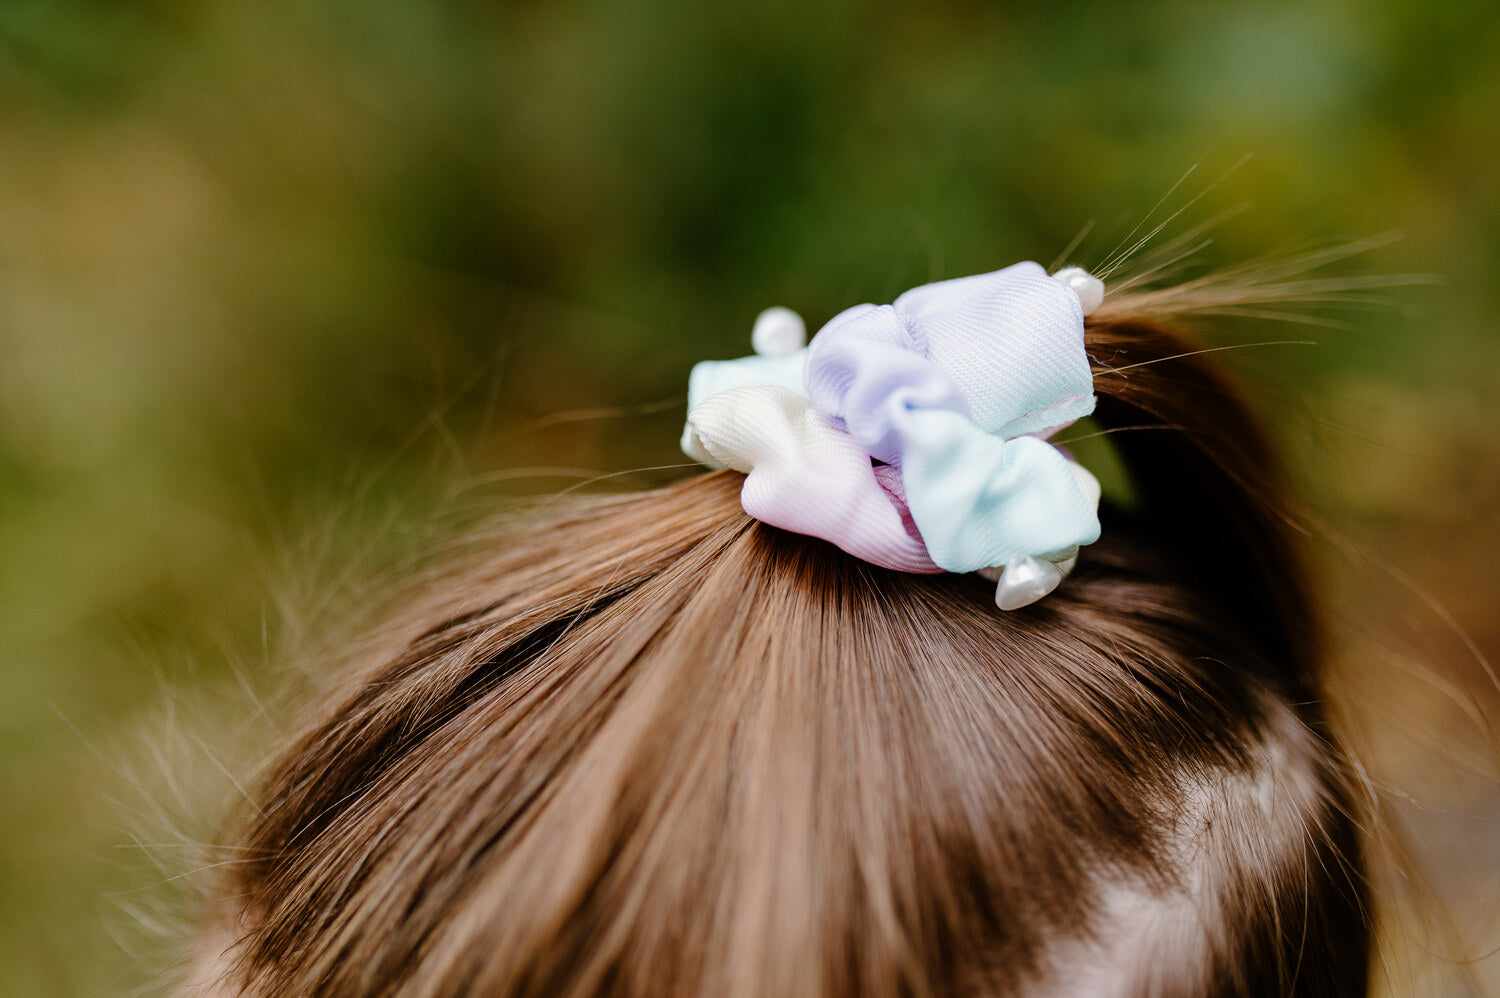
(913, 435)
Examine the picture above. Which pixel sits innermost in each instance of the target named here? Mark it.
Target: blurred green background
(281, 281)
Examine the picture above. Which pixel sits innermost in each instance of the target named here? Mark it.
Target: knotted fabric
(913, 435)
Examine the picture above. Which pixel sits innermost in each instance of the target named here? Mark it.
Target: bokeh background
(282, 282)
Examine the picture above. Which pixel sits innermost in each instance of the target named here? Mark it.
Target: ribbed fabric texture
(807, 477)
(952, 386)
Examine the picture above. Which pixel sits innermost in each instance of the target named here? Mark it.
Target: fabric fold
(981, 501)
(949, 383)
(805, 476)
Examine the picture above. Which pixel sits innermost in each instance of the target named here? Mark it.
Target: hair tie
(914, 435)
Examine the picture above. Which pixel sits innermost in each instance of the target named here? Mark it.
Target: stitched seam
(1054, 405)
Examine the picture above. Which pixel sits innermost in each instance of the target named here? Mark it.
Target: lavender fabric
(952, 387)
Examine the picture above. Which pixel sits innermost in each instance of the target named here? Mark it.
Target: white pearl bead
(778, 332)
(1088, 288)
(1024, 581)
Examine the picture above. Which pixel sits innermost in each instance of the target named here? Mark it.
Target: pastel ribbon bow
(952, 391)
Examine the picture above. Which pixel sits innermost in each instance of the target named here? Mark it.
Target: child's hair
(654, 747)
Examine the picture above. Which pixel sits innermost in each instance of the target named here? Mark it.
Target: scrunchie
(913, 435)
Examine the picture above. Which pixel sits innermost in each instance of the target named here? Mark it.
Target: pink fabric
(805, 476)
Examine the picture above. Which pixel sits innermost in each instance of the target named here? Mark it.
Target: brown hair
(653, 747)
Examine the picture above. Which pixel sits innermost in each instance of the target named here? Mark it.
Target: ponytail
(1212, 490)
